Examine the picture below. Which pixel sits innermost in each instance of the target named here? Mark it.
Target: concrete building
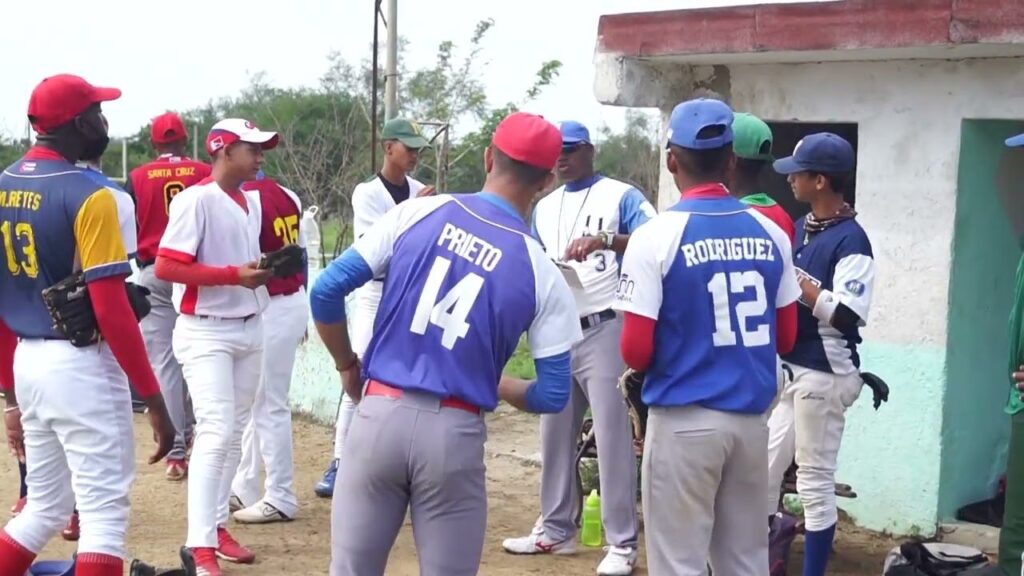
(926, 90)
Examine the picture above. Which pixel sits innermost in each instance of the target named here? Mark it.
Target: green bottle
(592, 535)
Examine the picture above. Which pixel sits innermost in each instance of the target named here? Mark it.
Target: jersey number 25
(450, 313)
(720, 287)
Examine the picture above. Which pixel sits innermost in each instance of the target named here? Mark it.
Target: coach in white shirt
(402, 140)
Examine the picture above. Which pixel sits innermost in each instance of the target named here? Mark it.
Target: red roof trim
(847, 25)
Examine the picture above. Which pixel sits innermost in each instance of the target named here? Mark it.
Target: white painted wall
(909, 115)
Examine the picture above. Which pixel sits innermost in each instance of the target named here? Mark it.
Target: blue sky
(140, 47)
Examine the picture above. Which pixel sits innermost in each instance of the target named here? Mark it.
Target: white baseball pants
(268, 435)
(808, 423)
(79, 447)
(703, 472)
(360, 331)
(221, 361)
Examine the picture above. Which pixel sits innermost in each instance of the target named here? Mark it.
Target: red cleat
(71, 532)
(204, 560)
(18, 506)
(229, 549)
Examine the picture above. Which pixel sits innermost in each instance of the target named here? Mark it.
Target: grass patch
(521, 364)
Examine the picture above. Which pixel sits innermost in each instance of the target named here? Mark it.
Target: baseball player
(210, 252)
(752, 145)
(710, 357)
(587, 223)
(153, 186)
(401, 141)
(268, 435)
(464, 281)
(837, 272)
(72, 422)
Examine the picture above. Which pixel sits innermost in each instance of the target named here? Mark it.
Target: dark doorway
(786, 135)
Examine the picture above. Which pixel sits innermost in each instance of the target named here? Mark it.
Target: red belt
(375, 388)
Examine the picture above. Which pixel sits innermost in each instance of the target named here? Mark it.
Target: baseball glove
(71, 310)
(879, 389)
(287, 261)
(631, 384)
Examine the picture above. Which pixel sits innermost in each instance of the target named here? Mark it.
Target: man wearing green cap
(752, 145)
(401, 140)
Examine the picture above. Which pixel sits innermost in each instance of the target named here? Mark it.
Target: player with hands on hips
(153, 185)
(210, 252)
(710, 358)
(587, 223)
(75, 424)
(836, 270)
(464, 281)
(268, 435)
(401, 142)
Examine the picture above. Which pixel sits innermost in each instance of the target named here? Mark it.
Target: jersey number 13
(450, 313)
(721, 287)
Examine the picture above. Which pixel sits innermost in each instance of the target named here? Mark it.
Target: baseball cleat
(200, 562)
(235, 504)
(618, 562)
(229, 549)
(261, 512)
(539, 543)
(325, 487)
(177, 470)
(71, 532)
(18, 506)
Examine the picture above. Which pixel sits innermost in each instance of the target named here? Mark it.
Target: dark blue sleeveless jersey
(712, 272)
(464, 281)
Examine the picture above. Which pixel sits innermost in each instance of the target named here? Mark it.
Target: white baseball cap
(231, 130)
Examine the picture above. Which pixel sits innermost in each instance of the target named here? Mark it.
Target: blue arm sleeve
(631, 213)
(550, 393)
(346, 273)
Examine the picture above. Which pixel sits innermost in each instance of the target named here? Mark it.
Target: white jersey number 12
(720, 287)
(450, 313)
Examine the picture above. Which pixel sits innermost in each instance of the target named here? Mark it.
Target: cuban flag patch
(855, 287)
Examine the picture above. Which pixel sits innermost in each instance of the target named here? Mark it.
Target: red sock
(96, 564)
(14, 558)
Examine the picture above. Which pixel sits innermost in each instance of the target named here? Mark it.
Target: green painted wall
(985, 255)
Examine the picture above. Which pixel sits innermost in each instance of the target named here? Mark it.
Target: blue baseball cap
(1015, 141)
(692, 116)
(573, 133)
(821, 152)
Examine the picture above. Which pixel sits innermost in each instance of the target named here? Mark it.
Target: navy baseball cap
(1015, 141)
(821, 152)
(692, 116)
(573, 133)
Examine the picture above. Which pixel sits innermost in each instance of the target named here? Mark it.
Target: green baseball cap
(752, 138)
(404, 131)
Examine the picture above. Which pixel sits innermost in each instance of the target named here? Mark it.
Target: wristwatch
(607, 239)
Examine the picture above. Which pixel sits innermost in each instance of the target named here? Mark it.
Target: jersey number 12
(720, 287)
(450, 313)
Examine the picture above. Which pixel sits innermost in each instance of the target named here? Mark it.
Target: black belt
(144, 263)
(208, 317)
(591, 320)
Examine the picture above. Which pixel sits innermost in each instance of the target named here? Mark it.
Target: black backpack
(919, 559)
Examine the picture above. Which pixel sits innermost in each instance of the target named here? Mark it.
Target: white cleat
(260, 513)
(619, 561)
(538, 543)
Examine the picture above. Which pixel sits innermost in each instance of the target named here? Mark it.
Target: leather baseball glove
(71, 310)
(631, 384)
(287, 261)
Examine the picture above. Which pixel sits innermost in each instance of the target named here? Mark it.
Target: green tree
(632, 155)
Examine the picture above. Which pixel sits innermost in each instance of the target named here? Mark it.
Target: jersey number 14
(450, 313)
(720, 287)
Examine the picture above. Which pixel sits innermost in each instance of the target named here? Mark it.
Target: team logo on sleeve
(624, 292)
(855, 287)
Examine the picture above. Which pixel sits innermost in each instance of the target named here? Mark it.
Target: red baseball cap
(167, 128)
(530, 139)
(58, 99)
(227, 132)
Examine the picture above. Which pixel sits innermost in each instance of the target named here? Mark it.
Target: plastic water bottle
(592, 533)
(311, 233)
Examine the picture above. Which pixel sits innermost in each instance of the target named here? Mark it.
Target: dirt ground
(302, 547)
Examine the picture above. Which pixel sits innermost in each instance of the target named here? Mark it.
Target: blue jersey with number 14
(712, 272)
(464, 281)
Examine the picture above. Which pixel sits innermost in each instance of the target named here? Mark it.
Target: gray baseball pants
(596, 368)
(157, 329)
(409, 453)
